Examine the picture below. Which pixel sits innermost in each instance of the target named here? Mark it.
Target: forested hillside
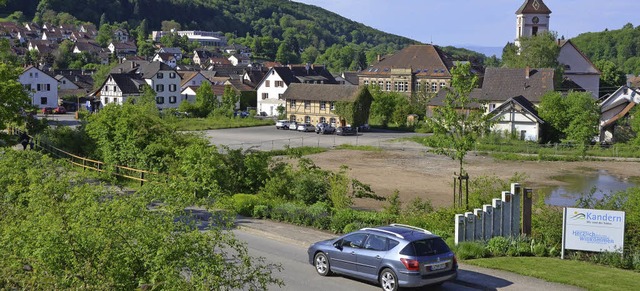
(281, 30)
(621, 46)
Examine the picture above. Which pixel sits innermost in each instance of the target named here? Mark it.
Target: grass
(570, 272)
(358, 148)
(195, 124)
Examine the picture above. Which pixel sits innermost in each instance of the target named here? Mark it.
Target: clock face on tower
(535, 19)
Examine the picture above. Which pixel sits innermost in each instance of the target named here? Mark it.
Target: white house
(120, 87)
(614, 108)
(165, 81)
(166, 58)
(578, 68)
(192, 79)
(239, 60)
(517, 116)
(42, 88)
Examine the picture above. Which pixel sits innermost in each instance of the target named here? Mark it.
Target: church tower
(532, 19)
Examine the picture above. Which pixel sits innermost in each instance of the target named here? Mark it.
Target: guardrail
(141, 176)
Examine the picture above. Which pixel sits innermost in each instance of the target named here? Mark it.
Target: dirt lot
(416, 173)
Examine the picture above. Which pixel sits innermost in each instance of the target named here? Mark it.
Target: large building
(204, 38)
(415, 68)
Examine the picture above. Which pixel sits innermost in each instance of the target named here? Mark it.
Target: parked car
(293, 125)
(364, 127)
(346, 130)
(282, 124)
(241, 114)
(394, 256)
(47, 110)
(324, 128)
(306, 127)
(60, 110)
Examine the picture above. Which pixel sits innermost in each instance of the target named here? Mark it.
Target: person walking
(24, 140)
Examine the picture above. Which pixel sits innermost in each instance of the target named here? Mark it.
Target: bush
(261, 211)
(243, 204)
(539, 250)
(471, 250)
(498, 246)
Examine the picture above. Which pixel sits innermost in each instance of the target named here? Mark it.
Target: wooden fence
(88, 164)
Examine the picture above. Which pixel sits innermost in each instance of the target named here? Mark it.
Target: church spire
(532, 19)
(533, 7)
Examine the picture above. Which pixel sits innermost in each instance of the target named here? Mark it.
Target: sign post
(592, 230)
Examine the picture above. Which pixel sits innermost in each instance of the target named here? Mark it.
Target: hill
(275, 29)
(621, 46)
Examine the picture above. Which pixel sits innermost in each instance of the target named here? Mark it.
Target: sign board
(593, 230)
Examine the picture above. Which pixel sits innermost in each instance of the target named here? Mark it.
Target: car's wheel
(321, 262)
(388, 280)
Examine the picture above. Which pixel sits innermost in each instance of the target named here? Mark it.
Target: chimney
(527, 72)
(379, 58)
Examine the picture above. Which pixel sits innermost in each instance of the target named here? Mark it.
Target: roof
(128, 83)
(87, 46)
(533, 7)
(423, 60)
(304, 73)
(171, 50)
(522, 103)
(239, 85)
(151, 69)
(500, 84)
(322, 92)
(351, 77)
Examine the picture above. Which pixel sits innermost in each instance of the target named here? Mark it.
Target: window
(267, 83)
(279, 83)
(380, 83)
(323, 105)
(172, 99)
(38, 88)
(159, 75)
(292, 118)
(353, 241)
(401, 86)
(333, 105)
(366, 82)
(388, 86)
(292, 104)
(30, 75)
(159, 100)
(265, 96)
(172, 75)
(36, 74)
(193, 82)
(43, 100)
(332, 121)
(172, 87)
(376, 243)
(442, 84)
(492, 107)
(307, 104)
(323, 120)
(106, 101)
(307, 119)
(395, 86)
(280, 96)
(159, 88)
(434, 87)
(406, 86)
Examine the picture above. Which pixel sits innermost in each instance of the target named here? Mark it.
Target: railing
(85, 163)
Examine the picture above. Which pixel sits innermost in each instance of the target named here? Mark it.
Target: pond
(600, 181)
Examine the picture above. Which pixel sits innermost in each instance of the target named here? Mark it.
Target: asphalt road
(270, 138)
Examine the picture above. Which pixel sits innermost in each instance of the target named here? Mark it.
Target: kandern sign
(592, 230)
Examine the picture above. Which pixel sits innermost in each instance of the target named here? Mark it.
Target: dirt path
(417, 173)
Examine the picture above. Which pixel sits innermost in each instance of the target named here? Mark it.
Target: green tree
(634, 122)
(383, 106)
(206, 101)
(6, 53)
(229, 100)
(69, 233)
(105, 33)
(170, 25)
(13, 96)
(573, 118)
(457, 124)
(63, 55)
(612, 77)
(539, 51)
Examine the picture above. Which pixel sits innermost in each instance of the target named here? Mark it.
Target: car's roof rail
(385, 231)
(411, 227)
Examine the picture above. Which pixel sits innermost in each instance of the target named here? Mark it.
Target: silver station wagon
(395, 256)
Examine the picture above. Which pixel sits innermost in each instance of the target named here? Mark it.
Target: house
(166, 58)
(614, 110)
(120, 35)
(163, 79)
(52, 36)
(414, 68)
(314, 103)
(192, 79)
(201, 56)
(517, 116)
(239, 60)
(119, 87)
(89, 29)
(276, 81)
(121, 49)
(78, 83)
(87, 47)
(176, 52)
(578, 68)
(238, 49)
(347, 78)
(42, 88)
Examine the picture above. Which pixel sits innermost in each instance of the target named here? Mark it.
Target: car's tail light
(455, 261)
(411, 265)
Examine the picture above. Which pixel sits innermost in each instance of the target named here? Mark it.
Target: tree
(229, 100)
(68, 233)
(383, 106)
(538, 51)
(457, 125)
(206, 101)
(13, 97)
(572, 118)
(170, 25)
(105, 33)
(612, 77)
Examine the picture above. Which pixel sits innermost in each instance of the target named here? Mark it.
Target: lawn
(195, 124)
(570, 272)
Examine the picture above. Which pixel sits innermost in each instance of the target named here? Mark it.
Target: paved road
(269, 138)
(263, 236)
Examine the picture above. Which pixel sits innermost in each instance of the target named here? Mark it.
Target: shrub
(318, 215)
(498, 246)
(243, 204)
(539, 250)
(261, 211)
(470, 250)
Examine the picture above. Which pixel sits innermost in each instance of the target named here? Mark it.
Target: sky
(488, 23)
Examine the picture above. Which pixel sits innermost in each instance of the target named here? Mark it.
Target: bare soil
(416, 173)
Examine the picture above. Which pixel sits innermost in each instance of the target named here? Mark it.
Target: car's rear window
(425, 247)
